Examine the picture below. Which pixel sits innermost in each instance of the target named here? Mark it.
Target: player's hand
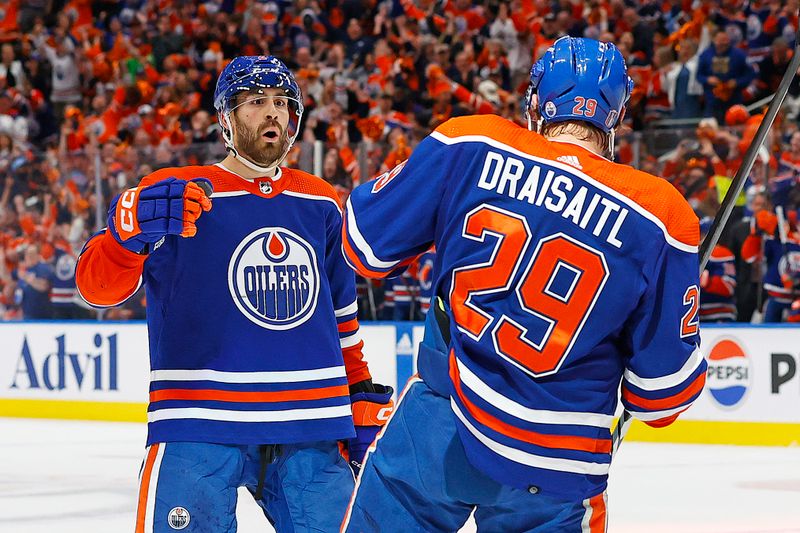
(371, 410)
(765, 222)
(142, 216)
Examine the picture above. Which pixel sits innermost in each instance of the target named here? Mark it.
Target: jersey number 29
(564, 309)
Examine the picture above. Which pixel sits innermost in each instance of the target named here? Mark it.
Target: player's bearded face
(260, 148)
(261, 135)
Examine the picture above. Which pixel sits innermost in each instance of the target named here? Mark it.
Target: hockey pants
(417, 478)
(192, 487)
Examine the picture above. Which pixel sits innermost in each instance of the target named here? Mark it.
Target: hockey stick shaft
(729, 201)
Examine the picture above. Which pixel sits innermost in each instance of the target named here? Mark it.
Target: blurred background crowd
(96, 94)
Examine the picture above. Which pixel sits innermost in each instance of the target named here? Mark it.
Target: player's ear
(621, 116)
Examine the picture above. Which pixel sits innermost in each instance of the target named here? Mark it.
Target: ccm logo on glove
(127, 217)
(142, 216)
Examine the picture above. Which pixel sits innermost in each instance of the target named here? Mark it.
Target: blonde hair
(580, 130)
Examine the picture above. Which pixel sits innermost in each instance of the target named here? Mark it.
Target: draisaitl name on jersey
(526, 181)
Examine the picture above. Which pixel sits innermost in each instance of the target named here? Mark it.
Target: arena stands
(96, 94)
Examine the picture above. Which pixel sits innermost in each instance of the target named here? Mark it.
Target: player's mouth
(271, 134)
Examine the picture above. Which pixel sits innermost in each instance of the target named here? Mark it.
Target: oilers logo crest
(274, 279)
(65, 267)
(789, 266)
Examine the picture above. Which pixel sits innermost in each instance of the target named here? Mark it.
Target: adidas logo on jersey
(570, 160)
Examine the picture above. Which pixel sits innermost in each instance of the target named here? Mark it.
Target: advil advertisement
(83, 361)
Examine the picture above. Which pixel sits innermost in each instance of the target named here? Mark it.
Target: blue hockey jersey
(564, 274)
(252, 322)
(717, 292)
(782, 273)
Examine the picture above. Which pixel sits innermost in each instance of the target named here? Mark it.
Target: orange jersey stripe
(144, 488)
(655, 195)
(347, 327)
(584, 444)
(249, 397)
(668, 402)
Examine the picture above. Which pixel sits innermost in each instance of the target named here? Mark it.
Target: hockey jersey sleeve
(107, 274)
(666, 371)
(412, 193)
(721, 268)
(343, 292)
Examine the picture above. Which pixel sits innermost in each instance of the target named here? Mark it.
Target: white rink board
(771, 383)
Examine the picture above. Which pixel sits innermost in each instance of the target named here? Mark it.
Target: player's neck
(237, 167)
(571, 139)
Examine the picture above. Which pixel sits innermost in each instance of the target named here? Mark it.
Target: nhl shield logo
(273, 278)
(265, 187)
(178, 518)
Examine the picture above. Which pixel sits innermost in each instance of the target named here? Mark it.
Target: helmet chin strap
(612, 136)
(252, 166)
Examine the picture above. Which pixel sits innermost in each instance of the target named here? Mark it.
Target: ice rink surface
(70, 477)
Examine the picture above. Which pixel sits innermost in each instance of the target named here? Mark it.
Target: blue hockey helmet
(581, 79)
(252, 75)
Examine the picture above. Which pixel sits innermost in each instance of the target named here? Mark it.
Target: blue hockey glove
(372, 406)
(142, 216)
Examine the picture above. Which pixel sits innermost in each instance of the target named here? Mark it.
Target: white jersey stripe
(352, 340)
(649, 416)
(361, 243)
(286, 376)
(672, 241)
(536, 416)
(666, 382)
(349, 310)
(287, 415)
(529, 459)
(227, 194)
(313, 197)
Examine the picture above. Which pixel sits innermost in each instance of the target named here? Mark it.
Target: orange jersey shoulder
(653, 194)
(491, 126)
(308, 184)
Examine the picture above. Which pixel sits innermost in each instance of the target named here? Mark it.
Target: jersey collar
(268, 187)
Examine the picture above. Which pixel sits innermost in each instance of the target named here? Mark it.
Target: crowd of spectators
(113, 89)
